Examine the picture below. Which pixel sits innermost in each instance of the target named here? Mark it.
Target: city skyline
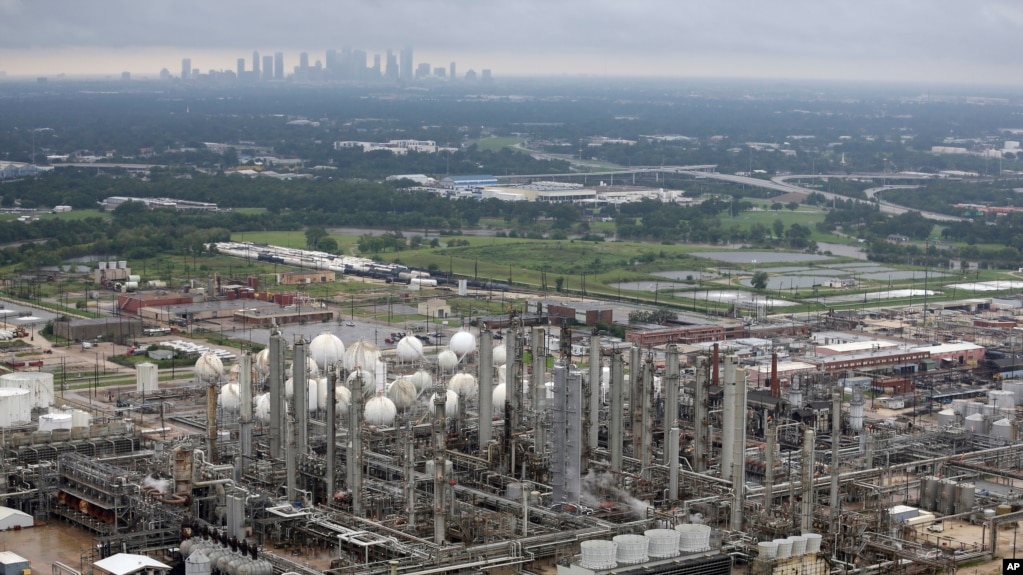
(912, 40)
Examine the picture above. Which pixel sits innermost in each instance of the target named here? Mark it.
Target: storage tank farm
(514, 454)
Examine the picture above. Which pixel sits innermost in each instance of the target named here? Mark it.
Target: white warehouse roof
(12, 518)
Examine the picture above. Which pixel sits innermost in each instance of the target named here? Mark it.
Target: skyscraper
(406, 64)
(391, 67)
(268, 67)
(186, 68)
(241, 68)
(303, 60)
(451, 72)
(255, 65)
(279, 66)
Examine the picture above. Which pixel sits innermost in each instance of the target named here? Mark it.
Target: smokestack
(486, 397)
(332, 377)
(775, 383)
(714, 380)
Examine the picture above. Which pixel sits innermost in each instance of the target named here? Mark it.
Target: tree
(779, 228)
(327, 244)
(759, 280)
(313, 235)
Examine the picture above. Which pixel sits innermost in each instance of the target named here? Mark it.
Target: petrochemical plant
(520, 455)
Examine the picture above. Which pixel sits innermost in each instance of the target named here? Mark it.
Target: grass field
(496, 144)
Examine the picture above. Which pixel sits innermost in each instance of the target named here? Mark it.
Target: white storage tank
(947, 503)
(1016, 387)
(693, 537)
(784, 548)
(972, 408)
(929, 493)
(966, 493)
(1003, 429)
(147, 377)
(813, 542)
(768, 550)
(80, 418)
(380, 411)
(39, 383)
(598, 555)
(975, 423)
(663, 543)
(798, 545)
(632, 549)
(946, 418)
(15, 406)
(51, 421)
(1002, 399)
(197, 564)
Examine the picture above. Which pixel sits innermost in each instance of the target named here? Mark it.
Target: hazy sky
(949, 41)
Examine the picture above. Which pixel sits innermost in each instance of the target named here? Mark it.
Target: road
(886, 207)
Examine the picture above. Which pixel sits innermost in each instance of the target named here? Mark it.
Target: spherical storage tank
(422, 381)
(462, 343)
(39, 383)
(450, 405)
(209, 368)
(402, 393)
(500, 354)
(447, 360)
(380, 411)
(369, 381)
(326, 349)
(15, 406)
(229, 397)
(409, 348)
(463, 384)
(498, 398)
(361, 354)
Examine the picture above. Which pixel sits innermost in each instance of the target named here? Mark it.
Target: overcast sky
(948, 41)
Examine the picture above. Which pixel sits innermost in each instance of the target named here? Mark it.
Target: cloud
(806, 36)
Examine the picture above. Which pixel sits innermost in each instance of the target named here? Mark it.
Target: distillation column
(701, 416)
(646, 446)
(439, 464)
(276, 378)
(566, 456)
(806, 511)
(486, 394)
(635, 399)
(245, 414)
(616, 433)
(737, 446)
(593, 413)
(331, 456)
(300, 385)
(836, 435)
(538, 397)
(354, 455)
(670, 384)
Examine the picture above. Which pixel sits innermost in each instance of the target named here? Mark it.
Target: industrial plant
(535, 448)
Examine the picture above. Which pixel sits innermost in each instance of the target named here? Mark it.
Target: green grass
(496, 144)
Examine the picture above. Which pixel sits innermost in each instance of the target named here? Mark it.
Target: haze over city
(933, 41)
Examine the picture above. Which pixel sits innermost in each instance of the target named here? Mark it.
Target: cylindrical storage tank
(928, 492)
(122, 264)
(632, 549)
(947, 502)
(40, 383)
(798, 544)
(965, 497)
(147, 377)
(15, 406)
(513, 491)
(52, 421)
(768, 550)
(989, 513)
(784, 548)
(598, 555)
(693, 537)
(80, 418)
(975, 423)
(1002, 399)
(973, 408)
(813, 542)
(197, 564)
(1003, 429)
(663, 543)
(1003, 509)
(134, 278)
(946, 418)
(1016, 387)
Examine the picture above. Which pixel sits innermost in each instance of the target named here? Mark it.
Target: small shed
(14, 519)
(13, 564)
(130, 564)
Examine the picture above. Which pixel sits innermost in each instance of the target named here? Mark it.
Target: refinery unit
(531, 450)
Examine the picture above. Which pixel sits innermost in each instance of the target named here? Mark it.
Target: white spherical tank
(39, 383)
(498, 398)
(362, 354)
(402, 393)
(326, 349)
(262, 410)
(422, 381)
(462, 343)
(229, 397)
(500, 355)
(209, 368)
(632, 549)
(598, 555)
(447, 360)
(450, 405)
(342, 399)
(380, 411)
(312, 394)
(464, 384)
(312, 369)
(15, 406)
(502, 373)
(262, 363)
(409, 348)
(369, 381)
